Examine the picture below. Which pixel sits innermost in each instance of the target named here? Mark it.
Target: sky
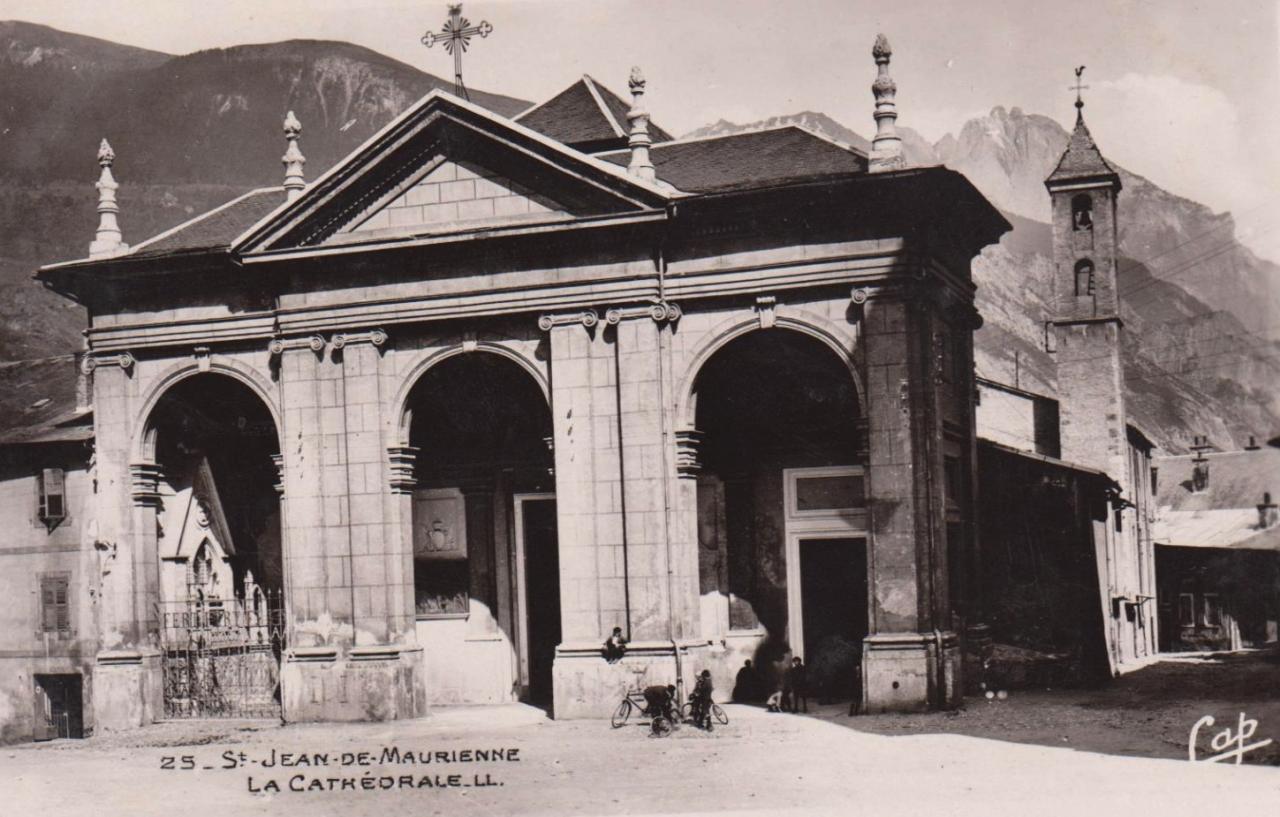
(1186, 93)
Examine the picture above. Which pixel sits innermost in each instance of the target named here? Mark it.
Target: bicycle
(713, 712)
(663, 724)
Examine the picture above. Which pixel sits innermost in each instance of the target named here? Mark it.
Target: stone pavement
(759, 764)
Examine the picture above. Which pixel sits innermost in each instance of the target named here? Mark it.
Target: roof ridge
(604, 109)
(709, 137)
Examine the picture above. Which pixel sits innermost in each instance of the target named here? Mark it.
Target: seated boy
(616, 646)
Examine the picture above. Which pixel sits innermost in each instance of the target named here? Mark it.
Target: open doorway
(59, 706)
(538, 562)
(833, 592)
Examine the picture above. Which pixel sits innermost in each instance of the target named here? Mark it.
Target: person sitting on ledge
(615, 647)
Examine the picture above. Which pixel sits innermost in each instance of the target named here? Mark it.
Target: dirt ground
(1008, 757)
(1147, 713)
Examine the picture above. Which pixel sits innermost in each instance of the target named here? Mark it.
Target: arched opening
(218, 539)
(1082, 212)
(484, 530)
(781, 509)
(1084, 277)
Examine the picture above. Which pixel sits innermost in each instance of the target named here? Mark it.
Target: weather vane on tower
(1078, 87)
(456, 36)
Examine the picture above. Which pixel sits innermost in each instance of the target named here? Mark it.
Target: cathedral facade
(427, 428)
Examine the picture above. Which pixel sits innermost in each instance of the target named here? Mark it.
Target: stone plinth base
(380, 683)
(128, 689)
(587, 686)
(910, 672)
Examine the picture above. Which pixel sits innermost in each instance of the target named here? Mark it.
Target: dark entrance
(221, 628)
(833, 589)
(59, 706)
(542, 594)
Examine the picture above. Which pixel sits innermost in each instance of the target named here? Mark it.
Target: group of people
(660, 701)
(789, 694)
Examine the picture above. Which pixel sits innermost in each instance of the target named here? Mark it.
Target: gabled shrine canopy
(195, 515)
(447, 170)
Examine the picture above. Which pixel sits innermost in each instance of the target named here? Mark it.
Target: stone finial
(107, 240)
(638, 120)
(294, 183)
(886, 147)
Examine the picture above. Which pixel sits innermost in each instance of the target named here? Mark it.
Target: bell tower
(1085, 321)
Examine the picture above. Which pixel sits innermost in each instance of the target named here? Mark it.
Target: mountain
(1008, 154)
(190, 132)
(1200, 309)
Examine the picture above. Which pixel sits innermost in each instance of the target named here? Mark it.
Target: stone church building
(425, 429)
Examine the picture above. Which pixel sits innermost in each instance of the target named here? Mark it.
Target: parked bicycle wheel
(662, 726)
(719, 714)
(621, 714)
(686, 712)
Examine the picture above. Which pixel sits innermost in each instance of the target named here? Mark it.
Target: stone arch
(403, 416)
(142, 447)
(842, 343)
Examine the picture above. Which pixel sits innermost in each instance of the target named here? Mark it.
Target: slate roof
(215, 229)
(584, 112)
(751, 159)
(1225, 515)
(38, 402)
(1237, 479)
(1081, 159)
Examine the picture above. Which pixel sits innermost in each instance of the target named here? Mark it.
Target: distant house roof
(38, 402)
(585, 115)
(1237, 480)
(1082, 160)
(751, 159)
(215, 229)
(1225, 514)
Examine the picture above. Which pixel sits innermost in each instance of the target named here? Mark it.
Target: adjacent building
(1218, 549)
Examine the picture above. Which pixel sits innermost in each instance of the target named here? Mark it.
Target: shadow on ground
(1147, 713)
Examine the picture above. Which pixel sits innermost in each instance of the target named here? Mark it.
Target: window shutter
(52, 494)
(55, 607)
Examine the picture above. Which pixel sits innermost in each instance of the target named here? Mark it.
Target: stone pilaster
(910, 658)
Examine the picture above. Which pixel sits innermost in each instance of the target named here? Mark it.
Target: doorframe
(837, 523)
(522, 597)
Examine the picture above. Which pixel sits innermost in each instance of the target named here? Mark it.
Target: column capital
(401, 463)
(586, 317)
(124, 360)
(688, 447)
(661, 311)
(144, 482)
(278, 346)
(376, 337)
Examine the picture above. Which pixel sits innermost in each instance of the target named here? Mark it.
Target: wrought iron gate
(222, 657)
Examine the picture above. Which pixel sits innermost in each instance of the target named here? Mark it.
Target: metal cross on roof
(455, 35)
(1078, 88)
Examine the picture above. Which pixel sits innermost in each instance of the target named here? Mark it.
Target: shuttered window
(55, 607)
(53, 495)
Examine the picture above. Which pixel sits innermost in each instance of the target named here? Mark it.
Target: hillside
(190, 132)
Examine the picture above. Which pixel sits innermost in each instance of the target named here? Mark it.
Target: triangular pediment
(449, 195)
(447, 165)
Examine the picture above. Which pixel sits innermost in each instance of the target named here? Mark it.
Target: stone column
(128, 689)
(346, 659)
(910, 658)
(621, 558)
